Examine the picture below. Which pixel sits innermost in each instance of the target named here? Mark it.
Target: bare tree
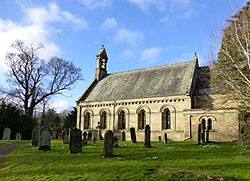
(232, 69)
(33, 80)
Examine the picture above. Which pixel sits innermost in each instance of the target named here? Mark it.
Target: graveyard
(128, 161)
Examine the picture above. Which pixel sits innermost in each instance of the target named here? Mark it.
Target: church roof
(161, 81)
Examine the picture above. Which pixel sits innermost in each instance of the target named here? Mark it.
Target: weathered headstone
(75, 141)
(18, 136)
(35, 137)
(132, 135)
(159, 138)
(90, 136)
(165, 137)
(108, 144)
(65, 136)
(199, 134)
(6, 134)
(115, 142)
(123, 136)
(94, 140)
(147, 143)
(84, 139)
(99, 133)
(44, 138)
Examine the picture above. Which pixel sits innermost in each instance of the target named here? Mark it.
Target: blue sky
(135, 33)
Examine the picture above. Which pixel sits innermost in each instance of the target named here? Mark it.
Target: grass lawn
(171, 161)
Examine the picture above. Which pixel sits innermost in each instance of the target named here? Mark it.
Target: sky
(135, 33)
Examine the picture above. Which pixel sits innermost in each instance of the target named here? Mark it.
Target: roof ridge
(150, 68)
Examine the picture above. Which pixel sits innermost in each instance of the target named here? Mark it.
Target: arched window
(87, 119)
(209, 124)
(142, 119)
(122, 120)
(203, 124)
(103, 121)
(166, 119)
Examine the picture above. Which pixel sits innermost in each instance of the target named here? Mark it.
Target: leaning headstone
(199, 134)
(132, 135)
(165, 137)
(115, 142)
(6, 134)
(75, 141)
(147, 143)
(84, 139)
(108, 144)
(123, 136)
(90, 136)
(65, 136)
(18, 136)
(44, 138)
(35, 137)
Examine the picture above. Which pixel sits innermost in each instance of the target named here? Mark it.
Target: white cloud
(150, 54)
(61, 105)
(109, 24)
(36, 28)
(146, 4)
(133, 38)
(92, 4)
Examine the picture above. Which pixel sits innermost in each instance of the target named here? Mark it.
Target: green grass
(7, 142)
(171, 161)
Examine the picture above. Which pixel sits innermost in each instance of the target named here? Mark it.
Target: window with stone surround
(103, 120)
(166, 119)
(87, 119)
(122, 120)
(142, 119)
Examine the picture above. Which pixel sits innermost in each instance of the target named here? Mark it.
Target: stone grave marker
(35, 137)
(75, 141)
(123, 136)
(159, 138)
(6, 134)
(84, 139)
(44, 138)
(65, 136)
(90, 136)
(165, 137)
(115, 142)
(94, 140)
(147, 143)
(18, 136)
(108, 144)
(132, 135)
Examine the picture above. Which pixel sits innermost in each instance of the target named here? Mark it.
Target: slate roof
(161, 81)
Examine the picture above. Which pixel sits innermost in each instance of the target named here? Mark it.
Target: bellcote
(101, 68)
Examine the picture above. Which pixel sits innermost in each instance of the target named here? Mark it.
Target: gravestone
(84, 139)
(108, 144)
(75, 141)
(6, 134)
(18, 136)
(147, 143)
(115, 142)
(65, 136)
(89, 136)
(165, 137)
(99, 133)
(159, 138)
(35, 137)
(123, 136)
(44, 138)
(199, 134)
(94, 140)
(132, 135)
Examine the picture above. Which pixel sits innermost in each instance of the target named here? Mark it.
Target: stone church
(172, 99)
